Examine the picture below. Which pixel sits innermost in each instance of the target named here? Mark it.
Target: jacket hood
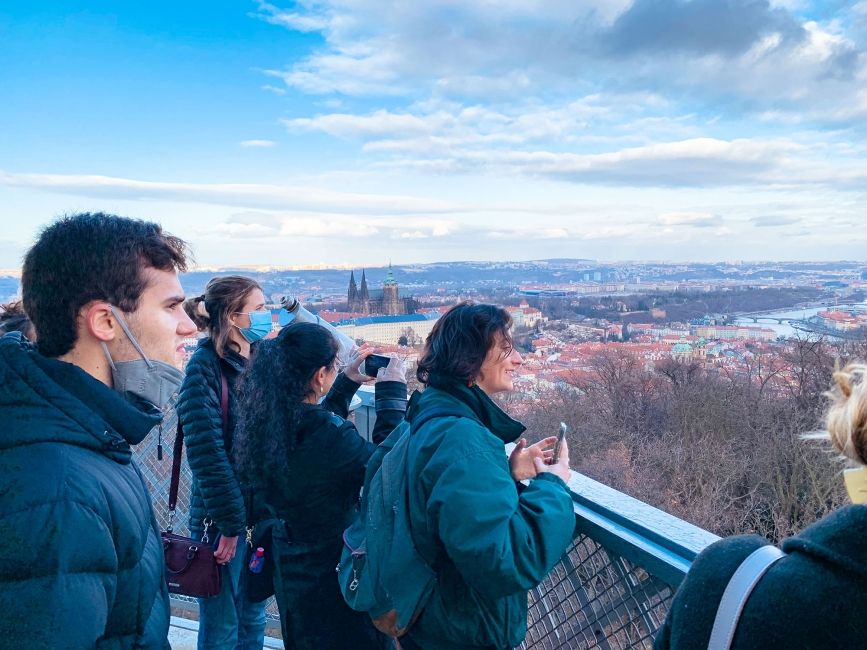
(481, 406)
(47, 400)
(837, 538)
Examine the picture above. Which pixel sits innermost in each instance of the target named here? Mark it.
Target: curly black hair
(271, 397)
(91, 256)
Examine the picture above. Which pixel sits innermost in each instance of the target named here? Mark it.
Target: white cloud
(261, 144)
(243, 229)
(243, 194)
(747, 54)
(773, 221)
(274, 89)
(698, 219)
(302, 22)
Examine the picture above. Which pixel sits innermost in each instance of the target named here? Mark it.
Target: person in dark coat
(490, 542)
(307, 462)
(13, 319)
(232, 312)
(814, 597)
(81, 560)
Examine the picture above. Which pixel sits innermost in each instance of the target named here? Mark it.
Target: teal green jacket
(489, 542)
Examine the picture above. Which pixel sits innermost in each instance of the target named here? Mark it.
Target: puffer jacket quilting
(81, 563)
(216, 494)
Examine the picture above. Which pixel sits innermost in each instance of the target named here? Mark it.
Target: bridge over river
(788, 322)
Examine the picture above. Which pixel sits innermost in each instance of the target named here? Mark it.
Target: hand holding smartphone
(561, 436)
(373, 363)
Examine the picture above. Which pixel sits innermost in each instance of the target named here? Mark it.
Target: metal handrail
(613, 587)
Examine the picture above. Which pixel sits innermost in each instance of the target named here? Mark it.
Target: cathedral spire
(352, 295)
(364, 295)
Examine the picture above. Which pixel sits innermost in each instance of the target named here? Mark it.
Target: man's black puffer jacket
(81, 560)
(216, 493)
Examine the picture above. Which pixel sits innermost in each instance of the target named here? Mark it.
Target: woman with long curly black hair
(306, 465)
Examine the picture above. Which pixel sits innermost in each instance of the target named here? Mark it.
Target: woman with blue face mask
(232, 313)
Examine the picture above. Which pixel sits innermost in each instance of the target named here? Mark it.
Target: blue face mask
(260, 325)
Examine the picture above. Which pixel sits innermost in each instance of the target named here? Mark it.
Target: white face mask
(143, 381)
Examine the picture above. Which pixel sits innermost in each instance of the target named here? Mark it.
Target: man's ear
(98, 321)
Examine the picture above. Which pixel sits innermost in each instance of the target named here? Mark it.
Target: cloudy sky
(357, 131)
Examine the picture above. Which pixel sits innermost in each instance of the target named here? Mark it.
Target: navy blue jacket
(81, 560)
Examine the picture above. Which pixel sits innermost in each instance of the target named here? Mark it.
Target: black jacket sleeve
(200, 413)
(390, 404)
(339, 397)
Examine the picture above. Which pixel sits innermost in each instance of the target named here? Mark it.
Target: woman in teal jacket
(489, 538)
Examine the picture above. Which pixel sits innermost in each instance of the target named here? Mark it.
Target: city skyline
(338, 132)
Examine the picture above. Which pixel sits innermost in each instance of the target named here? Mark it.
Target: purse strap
(736, 593)
(176, 474)
(224, 404)
(179, 449)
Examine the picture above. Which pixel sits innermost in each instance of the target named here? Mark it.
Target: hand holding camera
(395, 370)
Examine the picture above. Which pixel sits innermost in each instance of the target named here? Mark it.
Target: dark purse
(259, 586)
(190, 566)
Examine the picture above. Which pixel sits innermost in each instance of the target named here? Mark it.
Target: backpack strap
(427, 549)
(736, 593)
(427, 414)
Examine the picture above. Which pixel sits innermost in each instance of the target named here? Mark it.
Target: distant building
(386, 302)
(358, 301)
(391, 303)
(842, 321)
(390, 330)
(733, 332)
(685, 352)
(525, 316)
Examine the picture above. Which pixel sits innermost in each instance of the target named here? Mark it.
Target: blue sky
(357, 131)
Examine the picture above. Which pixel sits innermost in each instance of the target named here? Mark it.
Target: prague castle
(387, 301)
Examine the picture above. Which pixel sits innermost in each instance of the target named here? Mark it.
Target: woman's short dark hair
(223, 297)
(460, 340)
(13, 319)
(86, 257)
(271, 395)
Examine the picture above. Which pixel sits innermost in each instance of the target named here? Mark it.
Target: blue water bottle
(257, 561)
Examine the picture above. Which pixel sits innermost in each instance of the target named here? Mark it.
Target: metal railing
(614, 586)
(157, 475)
(611, 590)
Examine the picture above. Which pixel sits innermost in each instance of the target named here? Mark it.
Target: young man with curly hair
(81, 562)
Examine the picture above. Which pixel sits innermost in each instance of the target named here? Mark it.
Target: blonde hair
(846, 418)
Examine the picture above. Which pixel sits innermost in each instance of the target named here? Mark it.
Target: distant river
(800, 314)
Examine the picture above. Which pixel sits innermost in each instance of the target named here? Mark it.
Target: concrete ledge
(183, 633)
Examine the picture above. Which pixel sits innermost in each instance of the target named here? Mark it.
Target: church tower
(352, 296)
(390, 299)
(364, 296)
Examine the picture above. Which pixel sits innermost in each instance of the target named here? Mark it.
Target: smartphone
(561, 436)
(373, 363)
